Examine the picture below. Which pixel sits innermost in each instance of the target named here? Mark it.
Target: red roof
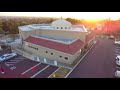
(89, 37)
(66, 48)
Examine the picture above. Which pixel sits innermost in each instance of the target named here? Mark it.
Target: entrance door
(36, 58)
(55, 62)
(45, 60)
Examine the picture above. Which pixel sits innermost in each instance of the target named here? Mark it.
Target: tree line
(9, 25)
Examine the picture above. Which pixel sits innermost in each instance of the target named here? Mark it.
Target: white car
(117, 74)
(112, 37)
(118, 60)
(7, 56)
(117, 42)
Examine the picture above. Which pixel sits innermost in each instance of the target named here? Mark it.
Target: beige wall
(65, 33)
(42, 52)
(26, 34)
(62, 33)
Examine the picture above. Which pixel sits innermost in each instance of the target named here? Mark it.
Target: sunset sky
(77, 15)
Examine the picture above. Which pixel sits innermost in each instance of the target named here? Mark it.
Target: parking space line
(10, 62)
(53, 72)
(9, 65)
(117, 47)
(30, 68)
(117, 51)
(16, 60)
(39, 71)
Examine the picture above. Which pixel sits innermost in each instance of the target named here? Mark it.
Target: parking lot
(21, 67)
(100, 62)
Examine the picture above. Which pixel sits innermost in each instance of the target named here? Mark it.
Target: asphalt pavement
(21, 67)
(99, 62)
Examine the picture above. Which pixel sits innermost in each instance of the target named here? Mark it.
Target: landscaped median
(60, 73)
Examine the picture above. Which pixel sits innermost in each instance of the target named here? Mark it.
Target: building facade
(59, 41)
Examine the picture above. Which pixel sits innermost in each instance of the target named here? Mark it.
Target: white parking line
(12, 68)
(117, 47)
(78, 62)
(117, 51)
(54, 72)
(39, 71)
(16, 60)
(10, 62)
(30, 68)
(9, 65)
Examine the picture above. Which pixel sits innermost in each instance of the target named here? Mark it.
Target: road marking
(16, 60)
(117, 51)
(8, 64)
(78, 62)
(12, 68)
(39, 71)
(30, 68)
(54, 72)
(117, 47)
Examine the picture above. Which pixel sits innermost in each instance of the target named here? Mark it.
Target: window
(51, 53)
(65, 27)
(33, 47)
(57, 28)
(66, 58)
(46, 51)
(60, 56)
(61, 28)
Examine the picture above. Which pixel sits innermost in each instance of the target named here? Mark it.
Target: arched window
(61, 27)
(66, 58)
(60, 56)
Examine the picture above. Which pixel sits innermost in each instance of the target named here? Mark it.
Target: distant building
(59, 41)
(99, 26)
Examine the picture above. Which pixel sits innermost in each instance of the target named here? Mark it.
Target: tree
(73, 21)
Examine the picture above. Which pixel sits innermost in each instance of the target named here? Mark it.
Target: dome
(61, 24)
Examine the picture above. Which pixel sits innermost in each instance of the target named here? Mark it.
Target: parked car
(9, 40)
(118, 60)
(117, 42)
(7, 56)
(111, 37)
(117, 74)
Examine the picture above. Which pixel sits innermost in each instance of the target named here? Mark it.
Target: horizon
(76, 15)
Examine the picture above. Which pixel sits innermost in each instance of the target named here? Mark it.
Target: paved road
(99, 62)
(21, 67)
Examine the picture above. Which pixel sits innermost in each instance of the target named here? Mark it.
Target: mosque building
(58, 42)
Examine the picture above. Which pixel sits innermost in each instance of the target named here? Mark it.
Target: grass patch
(61, 73)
